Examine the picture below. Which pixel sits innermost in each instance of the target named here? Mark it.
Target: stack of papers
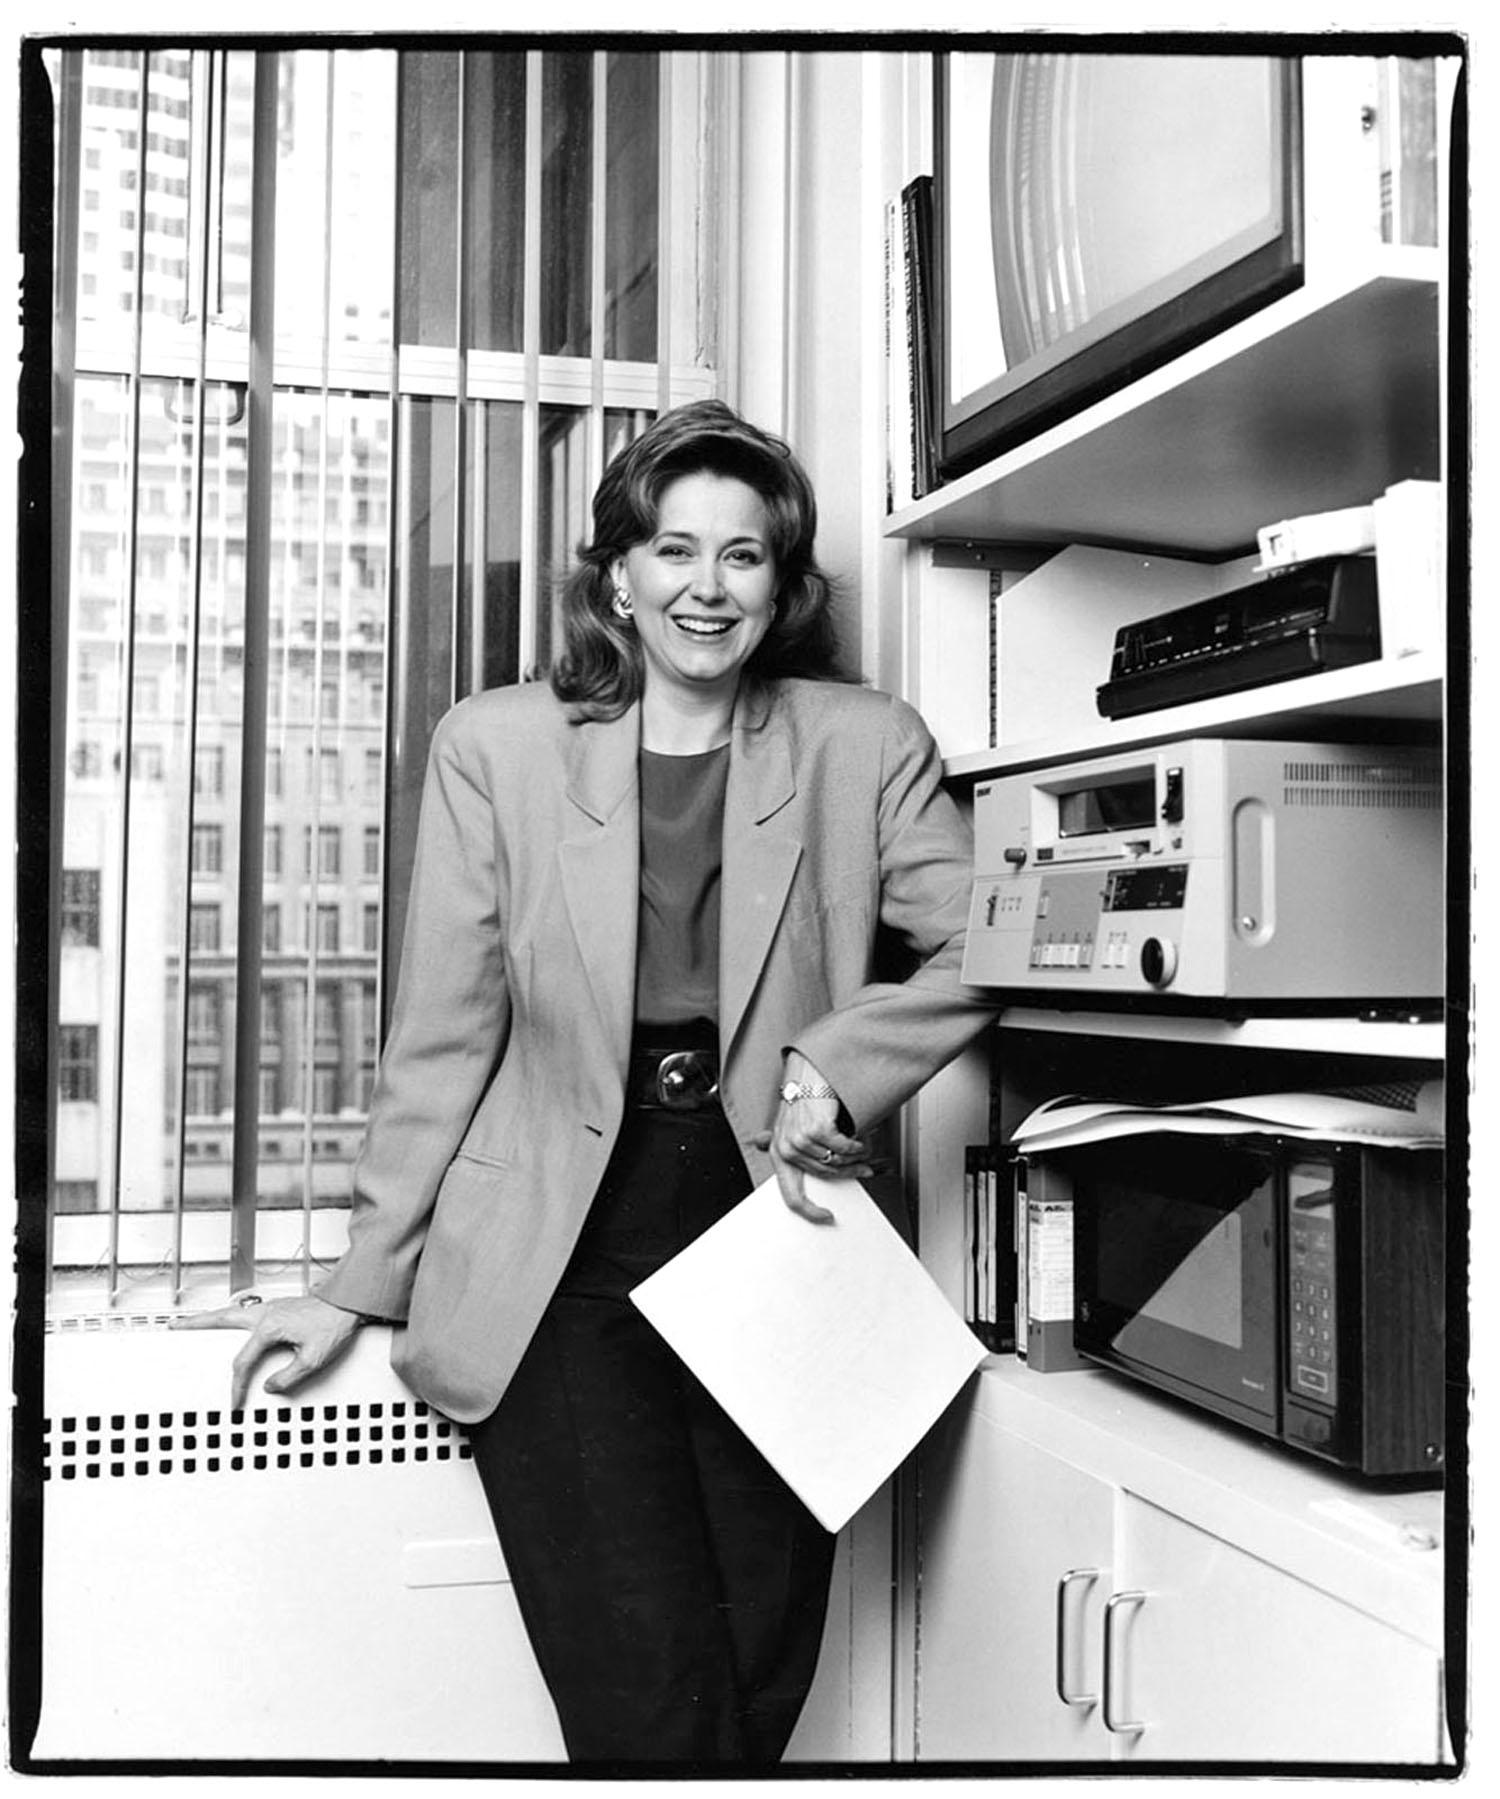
(829, 1345)
(1399, 1114)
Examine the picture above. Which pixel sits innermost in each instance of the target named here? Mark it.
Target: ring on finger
(827, 1155)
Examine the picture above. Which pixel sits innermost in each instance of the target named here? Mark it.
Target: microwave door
(1177, 1267)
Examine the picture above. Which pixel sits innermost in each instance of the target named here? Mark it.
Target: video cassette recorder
(1214, 869)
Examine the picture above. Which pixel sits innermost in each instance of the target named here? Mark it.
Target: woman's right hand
(316, 1332)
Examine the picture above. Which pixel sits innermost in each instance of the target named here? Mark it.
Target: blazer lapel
(600, 865)
(760, 858)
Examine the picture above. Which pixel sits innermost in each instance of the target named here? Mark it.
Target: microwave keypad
(1314, 1326)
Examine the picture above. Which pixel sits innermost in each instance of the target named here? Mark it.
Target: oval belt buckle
(682, 1082)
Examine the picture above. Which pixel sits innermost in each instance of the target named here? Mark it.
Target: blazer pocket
(471, 1198)
(481, 1159)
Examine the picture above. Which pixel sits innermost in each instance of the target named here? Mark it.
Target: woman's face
(703, 585)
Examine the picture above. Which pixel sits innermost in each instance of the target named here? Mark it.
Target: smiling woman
(622, 882)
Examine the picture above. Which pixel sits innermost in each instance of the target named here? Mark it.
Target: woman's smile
(703, 627)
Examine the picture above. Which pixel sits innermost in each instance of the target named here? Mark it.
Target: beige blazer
(501, 1088)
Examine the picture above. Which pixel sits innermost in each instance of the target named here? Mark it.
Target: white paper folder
(830, 1345)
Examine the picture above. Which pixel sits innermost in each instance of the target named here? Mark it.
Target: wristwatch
(792, 1091)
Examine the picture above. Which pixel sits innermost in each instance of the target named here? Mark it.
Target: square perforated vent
(122, 1445)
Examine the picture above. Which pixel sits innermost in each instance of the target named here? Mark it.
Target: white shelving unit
(1318, 402)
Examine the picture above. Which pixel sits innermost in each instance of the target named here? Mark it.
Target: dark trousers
(672, 1585)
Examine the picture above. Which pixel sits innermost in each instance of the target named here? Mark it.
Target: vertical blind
(343, 341)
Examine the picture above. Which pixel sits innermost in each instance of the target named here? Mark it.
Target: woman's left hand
(806, 1139)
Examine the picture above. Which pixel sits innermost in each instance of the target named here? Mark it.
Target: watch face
(790, 1091)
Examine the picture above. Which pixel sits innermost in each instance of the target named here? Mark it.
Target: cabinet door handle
(1122, 1726)
(1073, 1574)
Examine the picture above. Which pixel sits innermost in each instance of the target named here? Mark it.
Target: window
(208, 771)
(203, 929)
(270, 1021)
(208, 849)
(78, 1062)
(205, 1016)
(369, 1031)
(329, 840)
(272, 1031)
(77, 1196)
(368, 1020)
(409, 168)
(80, 908)
(201, 1092)
(327, 1027)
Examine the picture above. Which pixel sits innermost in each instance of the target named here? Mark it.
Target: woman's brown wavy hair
(601, 669)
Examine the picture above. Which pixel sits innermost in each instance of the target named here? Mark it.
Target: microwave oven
(1293, 1287)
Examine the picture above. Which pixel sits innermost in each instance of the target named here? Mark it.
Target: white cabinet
(1222, 1654)
(1094, 1601)
(1016, 1551)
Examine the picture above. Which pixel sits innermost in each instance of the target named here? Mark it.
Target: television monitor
(1095, 213)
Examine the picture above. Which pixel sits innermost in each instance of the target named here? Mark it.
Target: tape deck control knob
(1158, 961)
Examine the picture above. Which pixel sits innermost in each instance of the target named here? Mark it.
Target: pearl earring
(622, 605)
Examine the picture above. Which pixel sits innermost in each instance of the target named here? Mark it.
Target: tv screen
(1098, 212)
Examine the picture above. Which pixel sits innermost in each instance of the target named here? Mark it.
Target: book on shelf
(911, 395)
(997, 590)
(917, 246)
(1406, 124)
(989, 1248)
(898, 421)
(1043, 1237)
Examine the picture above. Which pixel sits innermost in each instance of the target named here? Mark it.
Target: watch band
(795, 1090)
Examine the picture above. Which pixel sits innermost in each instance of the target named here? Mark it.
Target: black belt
(674, 1080)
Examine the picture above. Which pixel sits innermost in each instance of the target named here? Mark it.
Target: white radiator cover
(354, 1609)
